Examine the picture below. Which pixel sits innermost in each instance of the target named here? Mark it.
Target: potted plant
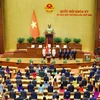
(31, 61)
(8, 59)
(67, 40)
(30, 39)
(40, 40)
(43, 61)
(77, 40)
(57, 40)
(19, 61)
(20, 40)
(65, 61)
(53, 61)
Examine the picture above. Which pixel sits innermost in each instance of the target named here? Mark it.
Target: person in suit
(97, 77)
(60, 54)
(31, 68)
(30, 87)
(74, 54)
(90, 87)
(92, 72)
(67, 73)
(70, 54)
(51, 67)
(84, 82)
(94, 68)
(71, 87)
(23, 94)
(92, 98)
(63, 70)
(98, 71)
(34, 82)
(7, 81)
(71, 78)
(19, 98)
(67, 93)
(77, 95)
(12, 94)
(50, 88)
(67, 54)
(46, 78)
(55, 95)
(27, 74)
(64, 53)
(19, 73)
(34, 95)
(79, 78)
(10, 87)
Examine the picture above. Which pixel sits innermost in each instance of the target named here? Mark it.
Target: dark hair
(44, 98)
(55, 79)
(41, 84)
(61, 87)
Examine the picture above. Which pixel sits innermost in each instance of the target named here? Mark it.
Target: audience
(23, 94)
(61, 89)
(50, 88)
(30, 87)
(41, 88)
(77, 95)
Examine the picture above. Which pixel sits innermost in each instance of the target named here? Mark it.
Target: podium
(48, 59)
(50, 38)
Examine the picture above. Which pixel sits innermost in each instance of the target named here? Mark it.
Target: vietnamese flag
(47, 46)
(34, 29)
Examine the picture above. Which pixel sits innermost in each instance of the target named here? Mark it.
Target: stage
(59, 63)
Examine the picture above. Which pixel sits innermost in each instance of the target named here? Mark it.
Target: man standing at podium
(49, 30)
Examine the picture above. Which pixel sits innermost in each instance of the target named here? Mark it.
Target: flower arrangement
(8, 59)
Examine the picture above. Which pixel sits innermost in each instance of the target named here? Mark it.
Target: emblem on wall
(49, 7)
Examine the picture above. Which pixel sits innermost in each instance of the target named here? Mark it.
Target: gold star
(33, 24)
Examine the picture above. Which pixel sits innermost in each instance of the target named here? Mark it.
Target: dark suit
(79, 78)
(94, 69)
(63, 70)
(50, 88)
(12, 95)
(90, 87)
(67, 93)
(60, 54)
(84, 82)
(51, 67)
(23, 94)
(71, 78)
(7, 81)
(63, 78)
(77, 95)
(27, 74)
(30, 87)
(92, 72)
(10, 86)
(71, 88)
(2, 73)
(34, 83)
(31, 68)
(98, 72)
(92, 98)
(87, 94)
(33, 95)
(18, 81)
(46, 78)
(74, 54)
(67, 74)
(97, 77)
